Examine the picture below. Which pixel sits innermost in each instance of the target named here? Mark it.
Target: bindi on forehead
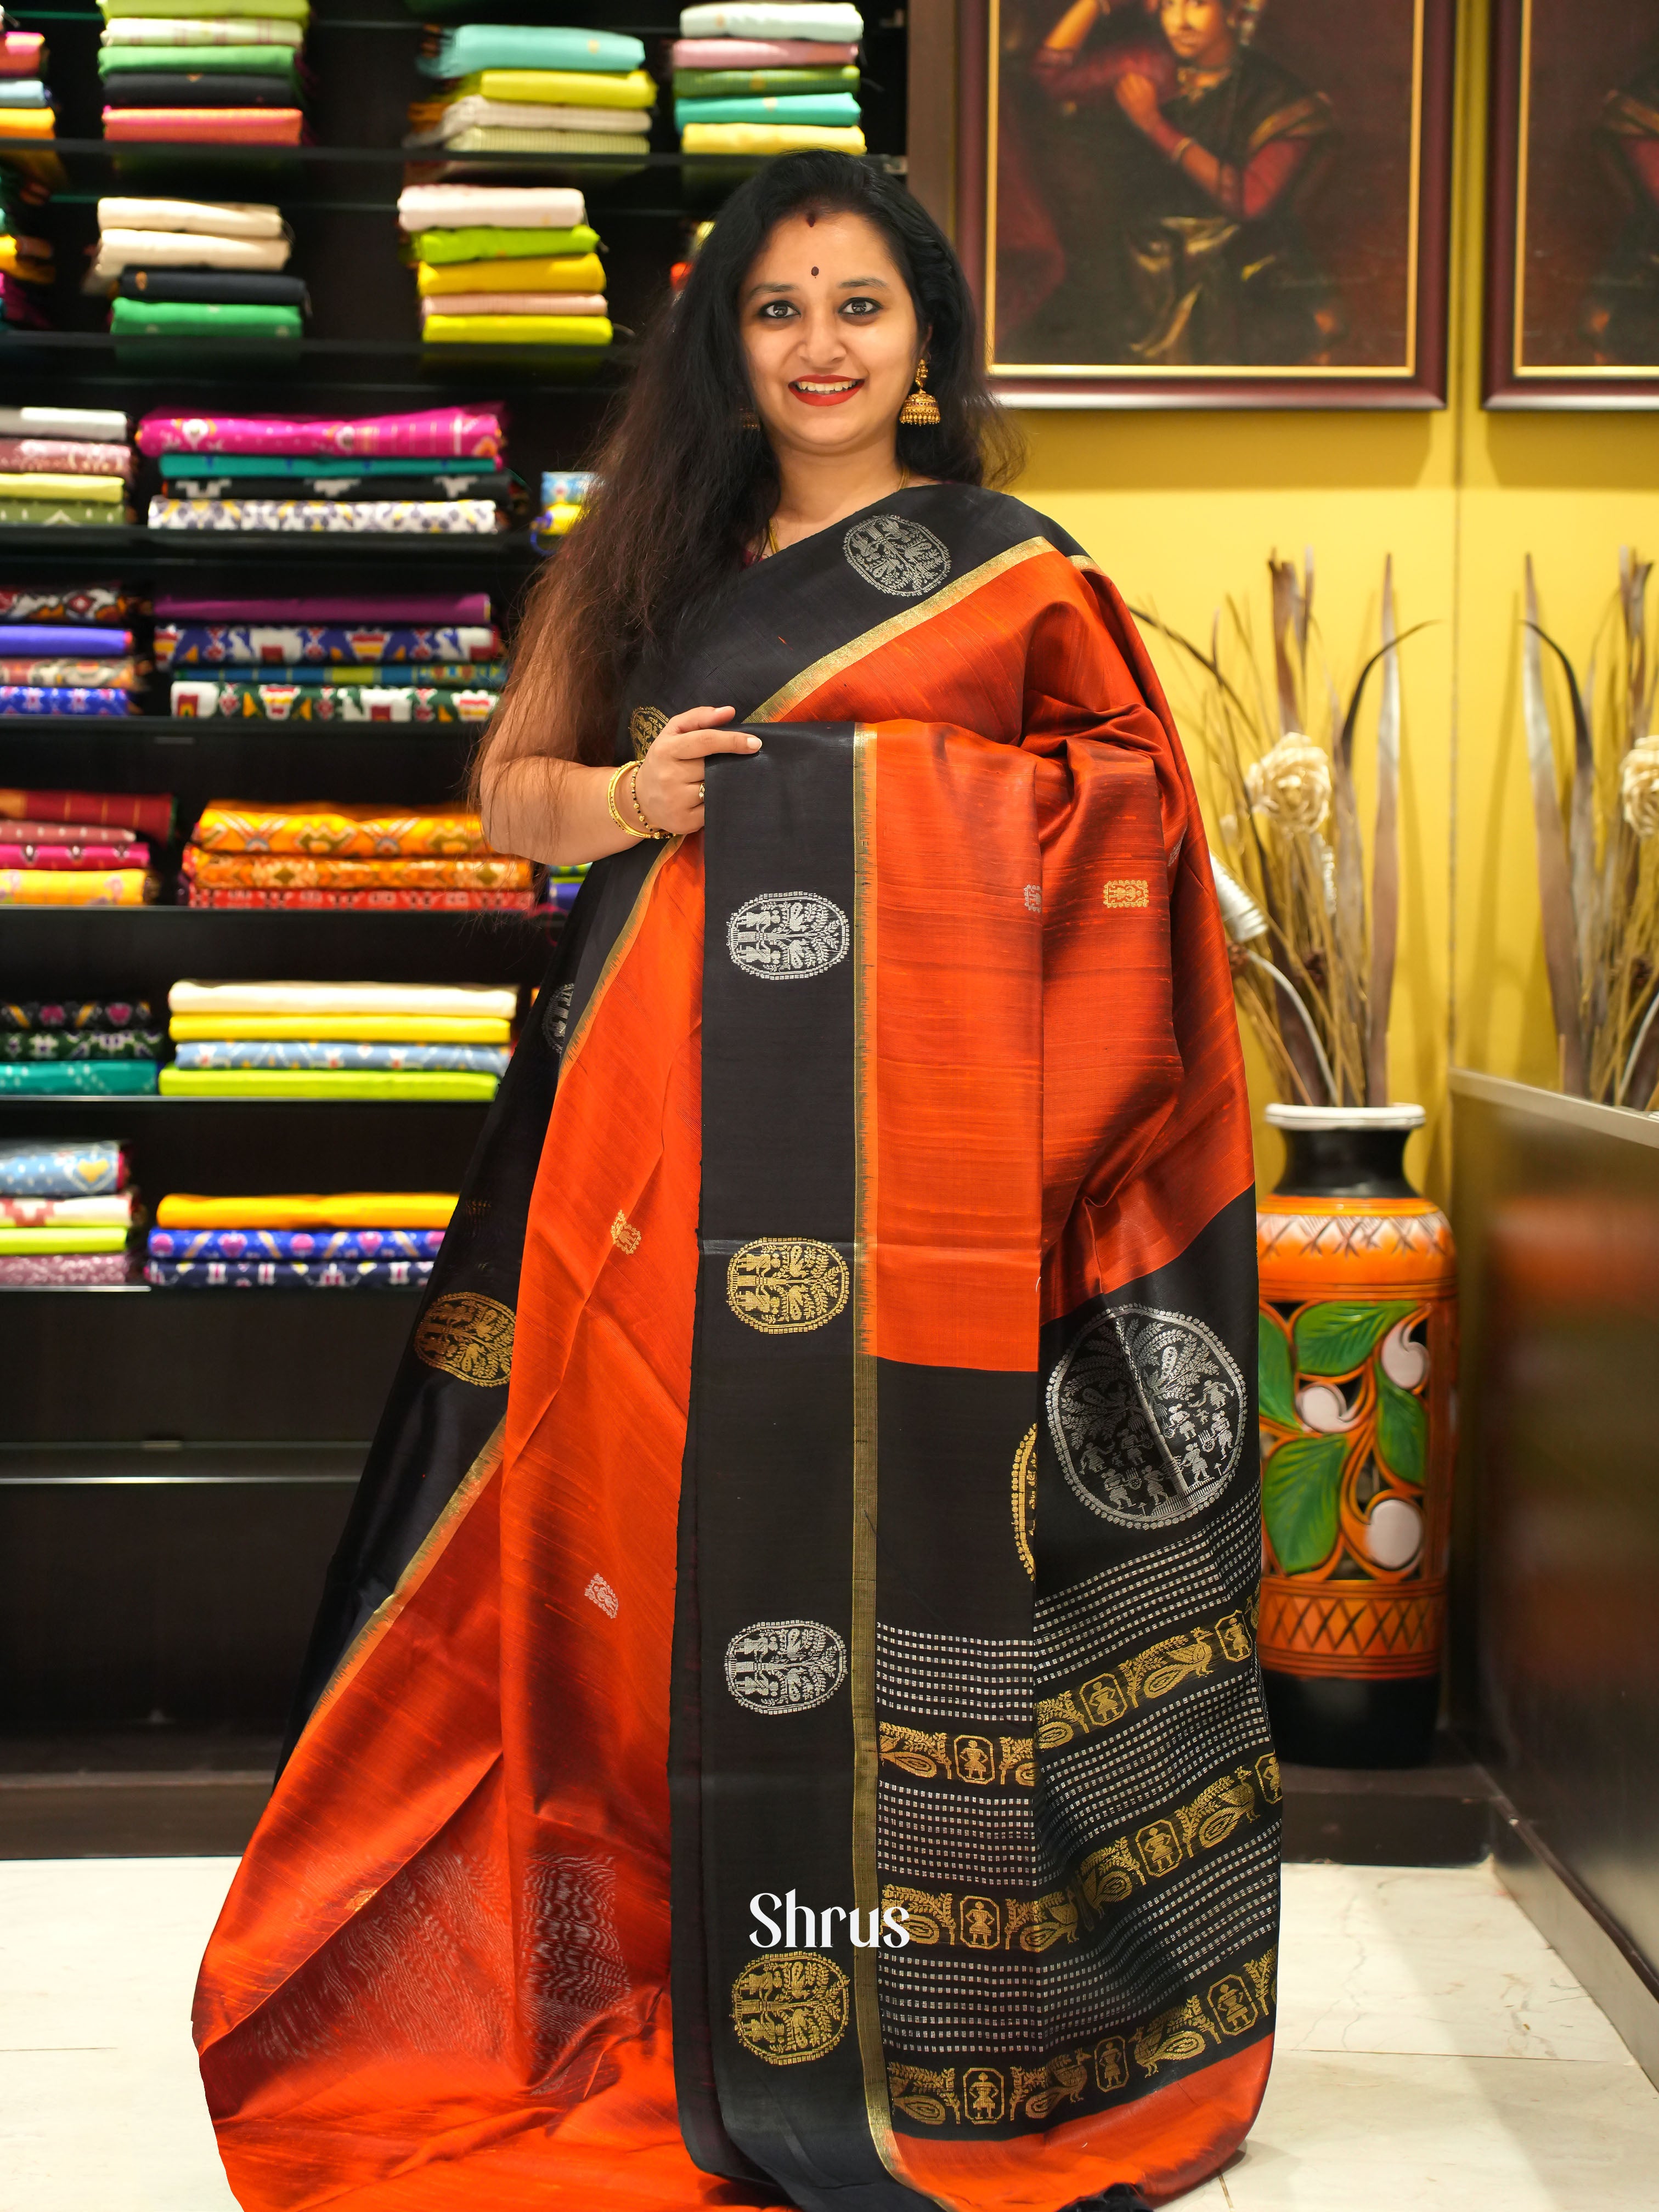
(815, 272)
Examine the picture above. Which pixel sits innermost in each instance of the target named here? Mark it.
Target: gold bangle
(611, 801)
(634, 801)
(1180, 150)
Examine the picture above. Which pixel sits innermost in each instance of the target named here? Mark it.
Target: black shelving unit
(174, 1467)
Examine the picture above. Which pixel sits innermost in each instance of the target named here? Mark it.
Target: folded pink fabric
(389, 608)
(474, 432)
(64, 457)
(513, 303)
(760, 53)
(19, 53)
(210, 126)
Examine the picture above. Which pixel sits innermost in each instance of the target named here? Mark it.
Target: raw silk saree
(784, 1724)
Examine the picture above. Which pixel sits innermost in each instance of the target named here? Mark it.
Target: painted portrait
(1573, 267)
(1221, 199)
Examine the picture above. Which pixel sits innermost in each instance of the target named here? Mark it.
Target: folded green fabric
(61, 510)
(281, 11)
(719, 84)
(827, 109)
(530, 46)
(321, 1083)
(172, 319)
(487, 242)
(63, 1238)
(277, 61)
(76, 1079)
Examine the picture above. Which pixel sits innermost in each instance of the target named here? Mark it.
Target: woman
(784, 1726)
(1187, 249)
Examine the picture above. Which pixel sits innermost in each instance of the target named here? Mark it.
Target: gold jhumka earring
(920, 407)
(747, 419)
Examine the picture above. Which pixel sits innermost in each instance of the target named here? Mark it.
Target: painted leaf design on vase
(1402, 1431)
(1332, 1338)
(1277, 1391)
(1300, 1488)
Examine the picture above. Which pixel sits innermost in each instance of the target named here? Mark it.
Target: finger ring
(700, 792)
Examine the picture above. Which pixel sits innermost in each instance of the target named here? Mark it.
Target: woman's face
(1200, 31)
(829, 334)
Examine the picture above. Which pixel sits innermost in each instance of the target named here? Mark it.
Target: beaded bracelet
(634, 801)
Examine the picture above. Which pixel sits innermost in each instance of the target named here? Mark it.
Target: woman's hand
(1137, 95)
(670, 781)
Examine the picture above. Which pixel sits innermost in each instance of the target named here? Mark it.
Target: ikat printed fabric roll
(245, 645)
(339, 1209)
(76, 886)
(758, 79)
(94, 1045)
(49, 855)
(73, 1017)
(286, 1275)
(62, 1270)
(293, 871)
(459, 518)
(51, 603)
(150, 813)
(115, 1210)
(312, 1244)
(32, 1168)
(449, 430)
(352, 832)
(63, 699)
(122, 675)
(395, 901)
(359, 1059)
(66, 456)
(330, 703)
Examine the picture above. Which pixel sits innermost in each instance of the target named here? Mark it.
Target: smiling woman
(824, 1464)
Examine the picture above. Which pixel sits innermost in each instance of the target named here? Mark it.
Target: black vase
(1359, 1319)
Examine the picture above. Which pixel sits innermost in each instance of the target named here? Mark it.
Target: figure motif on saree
(784, 1666)
(784, 1286)
(468, 1336)
(1147, 1413)
(789, 2007)
(645, 726)
(788, 937)
(897, 556)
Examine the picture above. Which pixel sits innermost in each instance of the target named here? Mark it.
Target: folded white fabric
(220, 219)
(768, 19)
(101, 425)
(201, 31)
(505, 207)
(506, 303)
(180, 249)
(484, 1001)
(476, 112)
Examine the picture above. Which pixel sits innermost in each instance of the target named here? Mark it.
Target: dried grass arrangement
(1313, 954)
(1596, 809)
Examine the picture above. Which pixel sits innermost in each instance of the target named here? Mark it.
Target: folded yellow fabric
(498, 1001)
(110, 489)
(546, 272)
(337, 1209)
(343, 1029)
(381, 1083)
(76, 886)
(517, 330)
(561, 87)
(62, 1239)
(16, 260)
(770, 137)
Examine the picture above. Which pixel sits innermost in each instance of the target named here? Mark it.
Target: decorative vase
(1358, 1369)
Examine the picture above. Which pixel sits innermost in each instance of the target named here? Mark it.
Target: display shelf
(139, 551)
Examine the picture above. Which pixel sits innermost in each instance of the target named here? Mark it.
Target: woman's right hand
(670, 777)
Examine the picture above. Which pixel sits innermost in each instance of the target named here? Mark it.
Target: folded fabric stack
(26, 104)
(61, 1048)
(190, 269)
(505, 264)
(26, 258)
(330, 666)
(226, 74)
(63, 466)
(80, 847)
(330, 856)
(767, 76)
(65, 650)
(65, 1211)
(562, 494)
(339, 1240)
(534, 88)
(379, 1041)
(441, 472)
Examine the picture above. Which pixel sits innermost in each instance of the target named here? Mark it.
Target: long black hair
(684, 488)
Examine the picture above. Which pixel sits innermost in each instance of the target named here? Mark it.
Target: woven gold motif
(1025, 1500)
(645, 726)
(623, 1235)
(1086, 1707)
(924, 2093)
(467, 1336)
(1125, 890)
(784, 1286)
(789, 2007)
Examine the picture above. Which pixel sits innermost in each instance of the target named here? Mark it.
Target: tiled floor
(1434, 2055)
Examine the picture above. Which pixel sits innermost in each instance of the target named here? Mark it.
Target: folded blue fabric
(831, 108)
(286, 1274)
(29, 1169)
(71, 640)
(472, 46)
(61, 699)
(418, 1059)
(294, 1243)
(23, 92)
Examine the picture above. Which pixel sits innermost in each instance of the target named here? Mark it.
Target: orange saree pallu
(784, 1726)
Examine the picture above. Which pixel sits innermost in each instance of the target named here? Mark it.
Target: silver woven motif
(784, 937)
(784, 1666)
(1146, 1411)
(898, 557)
(556, 1016)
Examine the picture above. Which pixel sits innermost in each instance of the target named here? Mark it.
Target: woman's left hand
(1137, 96)
(669, 781)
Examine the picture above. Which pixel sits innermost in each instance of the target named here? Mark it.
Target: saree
(783, 1726)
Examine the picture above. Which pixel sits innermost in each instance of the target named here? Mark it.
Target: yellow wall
(1183, 508)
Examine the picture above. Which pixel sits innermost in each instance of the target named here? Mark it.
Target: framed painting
(1208, 203)
(1572, 254)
